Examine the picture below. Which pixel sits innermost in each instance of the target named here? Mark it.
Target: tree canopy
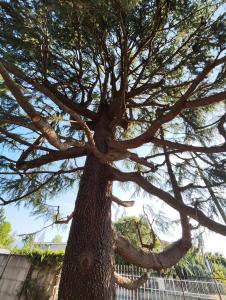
(6, 237)
(138, 86)
(57, 239)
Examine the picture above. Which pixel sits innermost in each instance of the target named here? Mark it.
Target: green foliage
(41, 257)
(218, 263)
(6, 237)
(29, 242)
(57, 239)
(128, 227)
(193, 264)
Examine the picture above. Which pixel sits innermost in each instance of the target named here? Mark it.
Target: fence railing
(159, 288)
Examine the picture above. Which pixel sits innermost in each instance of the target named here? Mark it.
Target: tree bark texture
(88, 270)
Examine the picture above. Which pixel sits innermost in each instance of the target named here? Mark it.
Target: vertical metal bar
(182, 288)
(148, 287)
(144, 290)
(133, 291)
(158, 291)
(132, 277)
(154, 288)
(137, 291)
(217, 288)
(166, 283)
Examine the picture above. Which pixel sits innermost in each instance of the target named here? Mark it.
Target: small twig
(57, 221)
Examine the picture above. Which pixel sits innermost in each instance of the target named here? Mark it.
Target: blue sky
(23, 222)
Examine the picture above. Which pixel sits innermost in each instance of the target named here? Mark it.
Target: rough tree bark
(88, 271)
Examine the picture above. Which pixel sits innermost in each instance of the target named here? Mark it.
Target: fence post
(134, 293)
(182, 288)
(217, 288)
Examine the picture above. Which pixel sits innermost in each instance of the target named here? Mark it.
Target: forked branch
(172, 113)
(44, 127)
(59, 220)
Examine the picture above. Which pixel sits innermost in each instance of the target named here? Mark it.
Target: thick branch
(206, 100)
(59, 220)
(130, 284)
(141, 160)
(190, 148)
(20, 121)
(30, 149)
(66, 220)
(54, 156)
(121, 202)
(156, 261)
(42, 125)
(196, 214)
(39, 122)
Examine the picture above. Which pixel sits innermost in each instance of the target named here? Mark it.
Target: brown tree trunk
(88, 265)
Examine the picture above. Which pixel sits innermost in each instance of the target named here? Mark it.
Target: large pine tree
(99, 79)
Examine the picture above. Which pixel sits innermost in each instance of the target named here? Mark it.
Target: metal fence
(158, 288)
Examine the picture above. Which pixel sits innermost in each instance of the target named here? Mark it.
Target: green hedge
(42, 257)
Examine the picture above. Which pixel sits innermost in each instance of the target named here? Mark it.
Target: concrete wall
(40, 284)
(20, 280)
(13, 272)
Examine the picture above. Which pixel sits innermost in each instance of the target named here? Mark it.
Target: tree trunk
(89, 259)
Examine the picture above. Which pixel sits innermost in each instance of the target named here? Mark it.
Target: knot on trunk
(86, 261)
